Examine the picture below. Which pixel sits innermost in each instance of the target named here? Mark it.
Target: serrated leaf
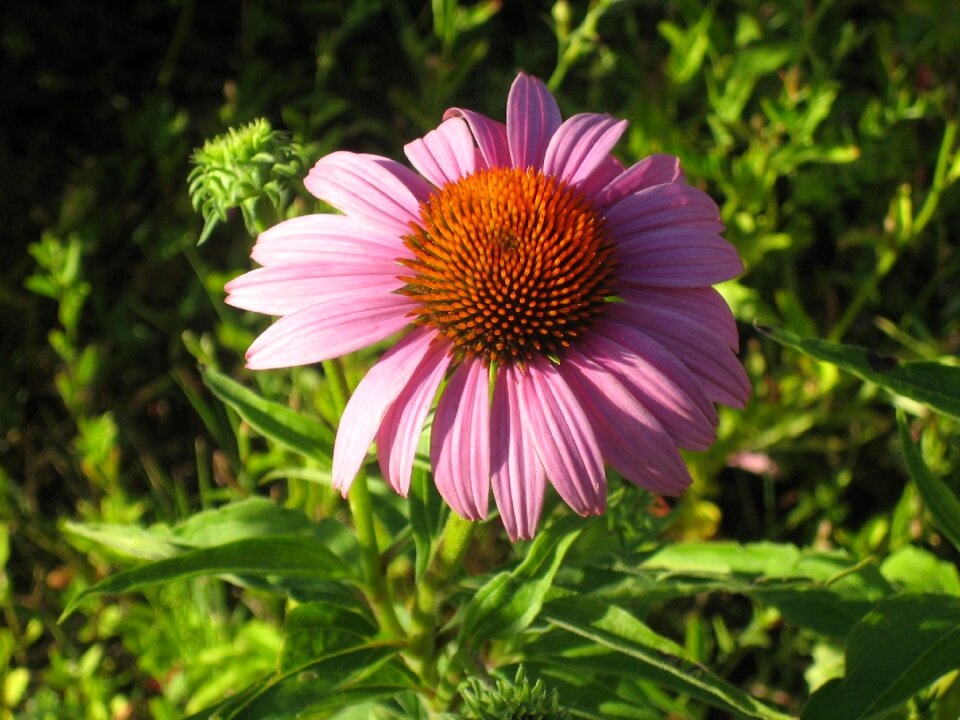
(637, 651)
(940, 501)
(933, 384)
(277, 422)
(281, 556)
(905, 644)
(510, 601)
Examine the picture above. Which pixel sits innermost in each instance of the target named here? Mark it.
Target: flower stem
(445, 561)
(361, 508)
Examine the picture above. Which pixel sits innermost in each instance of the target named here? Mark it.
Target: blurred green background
(826, 131)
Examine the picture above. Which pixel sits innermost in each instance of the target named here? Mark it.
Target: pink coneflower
(565, 300)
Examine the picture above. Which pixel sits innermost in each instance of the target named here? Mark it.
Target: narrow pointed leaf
(933, 384)
(510, 601)
(640, 652)
(281, 556)
(273, 420)
(943, 505)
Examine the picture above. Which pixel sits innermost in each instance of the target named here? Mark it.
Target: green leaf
(901, 647)
(939, 499)
(128, 540)
(316, 629)
(510, 601)
(335, 681)
(828, 592)
(253, 517)
(933, 384)
(920, 571)
(637, 651)
(427, 515)
(247, 518)
(280, 556)
(277, 422)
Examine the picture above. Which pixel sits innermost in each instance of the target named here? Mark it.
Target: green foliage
(812, 569)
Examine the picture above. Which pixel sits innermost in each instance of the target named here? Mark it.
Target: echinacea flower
(565, 300)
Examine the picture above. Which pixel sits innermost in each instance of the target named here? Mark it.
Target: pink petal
(318, 237)
(285, 289)
(580, 145)
(670, 205)
(377, 192)
(532, 118)
(652, 170)
(677, 257)
(369, 403)
(491, 136)
(660, 382)
(329, 329)
(562, 436)
(445, 154)
(715, 366)
(460, 441)
(703, 309)
(606, 171)
(518, 478)
(631, 439)
(399, 433)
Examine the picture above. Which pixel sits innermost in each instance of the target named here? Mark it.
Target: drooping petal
(517, 477)
(400, 431)
(659, 381)
(653, 170)
(563, 438)
(630, 437)
(713, 363)
(580, 145)
(369, 403)
(703, 309)
(377, 192)
(661, 206)
(319, 237)
(490, 135)
(285, 289)
(460, 441)
(677, 257)
(532, 118)
(445, 154)
(329, 329)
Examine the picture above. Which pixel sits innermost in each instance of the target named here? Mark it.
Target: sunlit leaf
(933, 384)
(510, 601)
(282, 556)
(640, 652)
(273, 420)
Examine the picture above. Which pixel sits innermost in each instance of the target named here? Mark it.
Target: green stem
(445, 562)
(361, 508)
(337, 382)
(939, 177)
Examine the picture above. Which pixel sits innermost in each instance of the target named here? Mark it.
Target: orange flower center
(509, 263)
